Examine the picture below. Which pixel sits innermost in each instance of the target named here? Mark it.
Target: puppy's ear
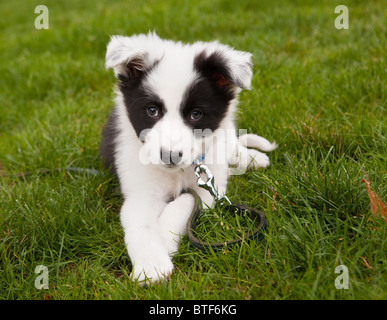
(132, 56)
(225, 66)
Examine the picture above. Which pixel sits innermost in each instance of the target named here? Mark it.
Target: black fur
(107, 145)
(211, 94)
(137, 100)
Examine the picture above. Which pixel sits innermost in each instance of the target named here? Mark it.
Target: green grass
(319, 92)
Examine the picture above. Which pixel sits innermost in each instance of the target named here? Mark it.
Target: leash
(93, 172)
(221, 202)
(227, 206)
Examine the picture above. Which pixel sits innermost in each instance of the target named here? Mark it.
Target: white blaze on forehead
(170, 79)
(172, 76)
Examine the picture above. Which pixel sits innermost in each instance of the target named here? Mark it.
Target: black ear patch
(214, 68)
(210, 94)
(135, 68)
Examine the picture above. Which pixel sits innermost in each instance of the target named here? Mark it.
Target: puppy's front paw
(156, 269)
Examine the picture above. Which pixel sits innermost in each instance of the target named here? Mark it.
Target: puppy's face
(176, 95)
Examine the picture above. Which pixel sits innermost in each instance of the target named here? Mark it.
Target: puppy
(174, 108)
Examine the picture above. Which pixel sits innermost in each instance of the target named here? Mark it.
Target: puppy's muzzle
(171, 158)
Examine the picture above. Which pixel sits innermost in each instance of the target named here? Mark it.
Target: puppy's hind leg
(254, 141)
(251, 158)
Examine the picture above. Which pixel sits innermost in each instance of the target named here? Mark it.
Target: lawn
(318, 91)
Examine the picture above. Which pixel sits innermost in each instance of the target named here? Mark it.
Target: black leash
(222, 203)
(45, 171)
(225, 205)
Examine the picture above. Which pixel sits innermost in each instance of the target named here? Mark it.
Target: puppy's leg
(147, 251)
(251, 158)
(173, 221)
(257, 142)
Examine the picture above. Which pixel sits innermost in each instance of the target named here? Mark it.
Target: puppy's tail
(257, 142)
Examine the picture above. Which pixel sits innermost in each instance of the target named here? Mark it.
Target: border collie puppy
(174, 108)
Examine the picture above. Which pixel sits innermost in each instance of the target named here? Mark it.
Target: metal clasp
(209, 184)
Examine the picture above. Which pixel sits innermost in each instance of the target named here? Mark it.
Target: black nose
(170, 157)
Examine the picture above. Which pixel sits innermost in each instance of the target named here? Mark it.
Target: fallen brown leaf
(378, 207)
(368, 266)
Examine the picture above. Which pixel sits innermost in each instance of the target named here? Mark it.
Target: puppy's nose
(170, 157)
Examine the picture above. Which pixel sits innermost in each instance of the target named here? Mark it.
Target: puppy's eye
(196, 115)
(153, 111)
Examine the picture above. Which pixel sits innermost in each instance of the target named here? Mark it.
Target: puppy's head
(177, 95)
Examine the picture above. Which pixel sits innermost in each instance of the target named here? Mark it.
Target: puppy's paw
(156, 269)
(252, 159)
(257, 159)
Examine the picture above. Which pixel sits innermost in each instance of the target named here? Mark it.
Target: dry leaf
(378, 208)
(368, 266)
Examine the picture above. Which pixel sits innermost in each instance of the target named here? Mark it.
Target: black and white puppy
(174, 107)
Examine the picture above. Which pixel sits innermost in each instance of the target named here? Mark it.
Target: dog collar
(200, 158)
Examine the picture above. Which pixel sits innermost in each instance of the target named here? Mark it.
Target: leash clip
(228, 207)
(209, 184)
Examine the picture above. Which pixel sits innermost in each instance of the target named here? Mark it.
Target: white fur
(153, 226)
